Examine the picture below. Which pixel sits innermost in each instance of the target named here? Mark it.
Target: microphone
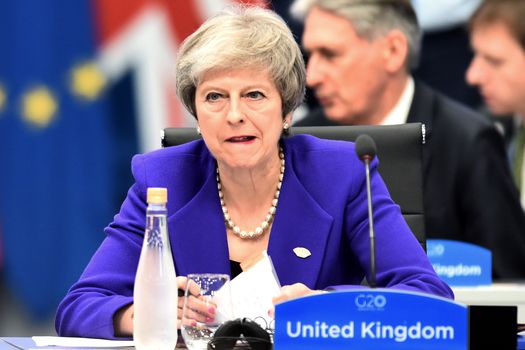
(365, 147)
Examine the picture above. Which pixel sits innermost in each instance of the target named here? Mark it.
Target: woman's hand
(123, 321)
(181, 286)
(293, 291)
(199, 308)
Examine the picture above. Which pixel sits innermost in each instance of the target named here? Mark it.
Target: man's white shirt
(399, 114)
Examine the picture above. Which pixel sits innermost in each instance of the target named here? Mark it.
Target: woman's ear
(288, 118)
(287, 123)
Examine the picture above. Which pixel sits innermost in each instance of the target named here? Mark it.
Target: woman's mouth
(241, 139)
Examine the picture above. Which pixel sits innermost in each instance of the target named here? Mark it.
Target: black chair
(399, 148)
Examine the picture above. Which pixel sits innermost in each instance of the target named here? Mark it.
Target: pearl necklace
(259, 230)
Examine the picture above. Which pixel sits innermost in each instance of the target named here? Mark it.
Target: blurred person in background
(360, 54)
(497, 34)
(445, 49)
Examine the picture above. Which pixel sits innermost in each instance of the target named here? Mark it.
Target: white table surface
(496, 294)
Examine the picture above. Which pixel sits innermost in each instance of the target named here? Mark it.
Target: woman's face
(239, 112)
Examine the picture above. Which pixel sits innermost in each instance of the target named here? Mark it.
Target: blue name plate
(459, 263)
(379, 319)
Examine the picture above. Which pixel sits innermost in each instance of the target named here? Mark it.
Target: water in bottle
(155, 293)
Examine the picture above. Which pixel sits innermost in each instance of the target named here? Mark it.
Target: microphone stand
(372, 281)
(366, 150)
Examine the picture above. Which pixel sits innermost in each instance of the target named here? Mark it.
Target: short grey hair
(372, 19)
(243, 36)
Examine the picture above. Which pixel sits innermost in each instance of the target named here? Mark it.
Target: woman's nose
(235, 113)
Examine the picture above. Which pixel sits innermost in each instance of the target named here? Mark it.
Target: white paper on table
(75, 342)
(252, 290)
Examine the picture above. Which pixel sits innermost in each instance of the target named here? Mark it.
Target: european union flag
(61, 147)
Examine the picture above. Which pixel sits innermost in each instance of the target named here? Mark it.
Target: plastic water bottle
(155, 293)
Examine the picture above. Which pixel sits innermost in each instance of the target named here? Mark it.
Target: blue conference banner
(459, 263)
(379, 319)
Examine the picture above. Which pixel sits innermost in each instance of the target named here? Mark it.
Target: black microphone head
(365, 147)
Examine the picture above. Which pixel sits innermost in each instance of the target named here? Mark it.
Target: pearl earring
(286, 126)
(198, 130)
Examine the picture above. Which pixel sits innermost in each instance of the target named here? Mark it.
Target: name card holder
(382, 319)
(459, 263)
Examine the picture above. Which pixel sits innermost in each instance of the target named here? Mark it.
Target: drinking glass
(207, 305)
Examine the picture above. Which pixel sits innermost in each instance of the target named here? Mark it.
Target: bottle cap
(157, 195)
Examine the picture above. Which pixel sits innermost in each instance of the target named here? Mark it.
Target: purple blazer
(322, 207)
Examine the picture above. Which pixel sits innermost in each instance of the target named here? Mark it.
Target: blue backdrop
(65, 144)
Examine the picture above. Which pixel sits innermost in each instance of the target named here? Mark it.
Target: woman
(244, 189)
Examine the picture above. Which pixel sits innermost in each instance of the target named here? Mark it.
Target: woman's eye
(213, 96)
(254, 95)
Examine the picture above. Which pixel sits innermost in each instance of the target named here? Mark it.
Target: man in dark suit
(497, 36)
(360, 55)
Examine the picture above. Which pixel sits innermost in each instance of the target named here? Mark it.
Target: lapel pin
(302, 252)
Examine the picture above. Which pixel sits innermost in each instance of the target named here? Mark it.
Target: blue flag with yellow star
(65, 147)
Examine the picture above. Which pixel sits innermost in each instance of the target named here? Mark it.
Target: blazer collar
(198, 232)
(299, 223)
